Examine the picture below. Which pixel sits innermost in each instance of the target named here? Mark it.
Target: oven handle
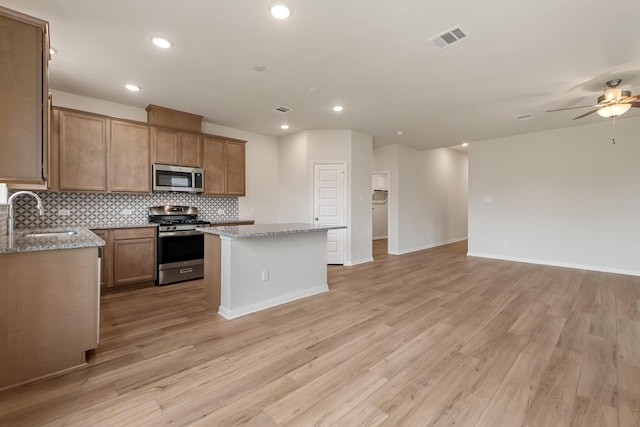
(162, 234)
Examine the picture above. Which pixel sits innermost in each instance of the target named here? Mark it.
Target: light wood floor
(432, 338)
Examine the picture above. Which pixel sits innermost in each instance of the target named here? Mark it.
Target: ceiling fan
(613, 103)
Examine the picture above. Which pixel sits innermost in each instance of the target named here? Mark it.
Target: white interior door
(329, 206)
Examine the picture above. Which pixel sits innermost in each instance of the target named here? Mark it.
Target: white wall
(361, 218)
(298, 153)
(562, 197)
(427, 196)
(261, 201)
(296, 203)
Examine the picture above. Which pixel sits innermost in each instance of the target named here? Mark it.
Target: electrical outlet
(127, 211)
(64, 212)
(265, 275)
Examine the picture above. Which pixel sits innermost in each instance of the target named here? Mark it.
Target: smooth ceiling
(371, 56)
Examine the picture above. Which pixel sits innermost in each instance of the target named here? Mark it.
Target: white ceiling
(372, 56)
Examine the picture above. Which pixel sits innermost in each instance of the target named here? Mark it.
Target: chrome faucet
(10, 206)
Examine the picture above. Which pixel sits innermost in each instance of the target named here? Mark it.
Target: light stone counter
(266, 230)
(23, 243)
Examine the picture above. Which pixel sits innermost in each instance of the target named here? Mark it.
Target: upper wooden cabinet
(224, 166)
(130, 152)
(172, 147)
(99, 154)
(235, 168)
(84, 152)
(24, 56)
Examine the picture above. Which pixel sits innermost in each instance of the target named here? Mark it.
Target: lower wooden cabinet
(129, 258)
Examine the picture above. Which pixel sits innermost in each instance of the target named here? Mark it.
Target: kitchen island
(249, 268)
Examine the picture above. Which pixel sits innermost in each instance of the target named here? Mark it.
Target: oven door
(180, 256)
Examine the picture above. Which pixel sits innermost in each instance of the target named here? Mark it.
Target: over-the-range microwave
(178, 178)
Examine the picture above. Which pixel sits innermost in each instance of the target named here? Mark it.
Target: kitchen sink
(56, 233)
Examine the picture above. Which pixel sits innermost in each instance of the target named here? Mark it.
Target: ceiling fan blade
(585, 114)
(628, 99)
(569, 108)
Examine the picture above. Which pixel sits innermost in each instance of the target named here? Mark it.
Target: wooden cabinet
(130, 152)
(24, 56)
(224, 166)
(106, 258)
(214, 165)
(84, 152)
(128, 258)
(190, 150)
(49, 312)
(95, 153)
(235, 168)
(172, 147)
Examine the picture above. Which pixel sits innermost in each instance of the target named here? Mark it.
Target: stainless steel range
(180, 246)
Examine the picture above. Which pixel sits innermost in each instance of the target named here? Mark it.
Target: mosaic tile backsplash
(100, 209)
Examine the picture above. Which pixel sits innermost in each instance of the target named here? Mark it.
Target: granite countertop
(265, 230)
(83, 238)
(231, 221)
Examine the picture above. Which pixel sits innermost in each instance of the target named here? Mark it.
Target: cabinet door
(23, 86)
(165, 144)
(130, 151)
(134, 261)
(105, 260)
(190, 150)
(214, 166)
(235, 181)
(83, 152)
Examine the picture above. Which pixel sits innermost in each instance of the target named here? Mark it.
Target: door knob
(316, 218)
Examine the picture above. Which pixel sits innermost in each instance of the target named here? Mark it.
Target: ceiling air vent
(449, 37)
(281, 110)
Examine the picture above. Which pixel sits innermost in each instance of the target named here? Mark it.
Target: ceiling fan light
(613, 94)
(614, 110)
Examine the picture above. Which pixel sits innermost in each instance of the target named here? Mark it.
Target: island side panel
(47, 312)
(212, 269)
(266, 271)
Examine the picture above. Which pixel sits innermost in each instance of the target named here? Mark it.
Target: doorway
(329, 206)
(380, 212)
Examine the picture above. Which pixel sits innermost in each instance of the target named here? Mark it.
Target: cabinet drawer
(134, 233)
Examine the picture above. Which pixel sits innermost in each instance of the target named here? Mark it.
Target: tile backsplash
(103, 209)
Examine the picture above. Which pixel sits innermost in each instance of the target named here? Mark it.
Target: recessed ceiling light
(284, 127)
(465, 144)
(400, 133)
(162, 43)
(132, 87)
(280, 11)
(338, 108)
(52, 51)
(313, 89)
(260, 68)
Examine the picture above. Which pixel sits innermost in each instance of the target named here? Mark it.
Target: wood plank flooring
(432, 338)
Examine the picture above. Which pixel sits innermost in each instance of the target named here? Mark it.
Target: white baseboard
(429, 246)
(380, 237)
(557, 264)
(358, 261)
(263, 305)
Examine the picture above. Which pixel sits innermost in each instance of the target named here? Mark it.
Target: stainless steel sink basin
(57, 233)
